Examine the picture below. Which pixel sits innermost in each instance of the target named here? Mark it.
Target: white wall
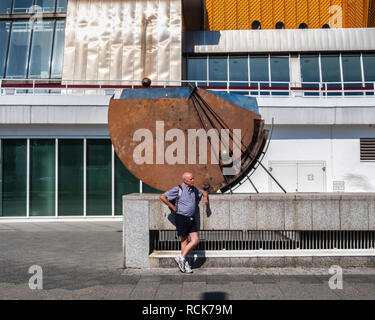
(338, 146)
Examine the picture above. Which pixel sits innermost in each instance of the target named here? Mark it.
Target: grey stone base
(266, 262)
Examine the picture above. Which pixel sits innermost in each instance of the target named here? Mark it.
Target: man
(187, 197)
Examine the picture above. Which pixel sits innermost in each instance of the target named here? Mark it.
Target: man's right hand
(174, 208)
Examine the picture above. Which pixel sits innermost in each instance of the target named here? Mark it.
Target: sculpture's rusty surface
(199, 109)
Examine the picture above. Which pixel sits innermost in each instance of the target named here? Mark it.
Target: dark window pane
(21, 6)
(259, 73)
(125, 183)
(58, 49)
(351, 68)
(369, 66)
(218, 71)
(42, 177)
(331, 72)
(147, 189)
(18, 50)
(310, 73)
(280, 72)
(369, 71)
(5, 6)
(41, 47)
(70, 172)
(238, 71)
(4, 35)
(99, 177)
(61, 5)
(197, 70)
(47, 5)
(14, 177)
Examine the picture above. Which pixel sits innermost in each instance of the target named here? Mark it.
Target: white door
(297, 176)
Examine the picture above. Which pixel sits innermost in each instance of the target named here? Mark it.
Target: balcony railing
(254, 88)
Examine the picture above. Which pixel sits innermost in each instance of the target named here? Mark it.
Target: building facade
(311, 65)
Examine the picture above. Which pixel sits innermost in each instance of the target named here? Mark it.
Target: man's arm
(164, 198)
(205, 197)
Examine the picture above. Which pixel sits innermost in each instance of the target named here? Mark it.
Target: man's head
(188, 179)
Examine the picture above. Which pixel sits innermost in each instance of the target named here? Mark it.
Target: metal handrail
(253, 88)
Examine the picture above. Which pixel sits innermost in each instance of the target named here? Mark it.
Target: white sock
(182, 259)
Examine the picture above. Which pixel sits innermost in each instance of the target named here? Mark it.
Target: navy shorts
(185, 225)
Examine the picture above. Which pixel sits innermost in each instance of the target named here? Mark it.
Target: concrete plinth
(268, 211)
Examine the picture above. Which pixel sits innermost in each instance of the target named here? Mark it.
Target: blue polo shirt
(188, 201)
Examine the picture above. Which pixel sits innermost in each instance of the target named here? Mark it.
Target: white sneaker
(180, 264)
(188, 268)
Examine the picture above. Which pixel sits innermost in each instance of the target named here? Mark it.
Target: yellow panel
(324, 12)
(254, 11)
(278, 12)
(313, 14)
(302, 16)
(231, 14)
(243, 16)
(266, 14)
(291, 14)
(209, 10)
(219, 15)
(356, 13)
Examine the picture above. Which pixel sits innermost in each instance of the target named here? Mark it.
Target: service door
(298, 176)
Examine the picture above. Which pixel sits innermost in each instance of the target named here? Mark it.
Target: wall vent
(367, 149)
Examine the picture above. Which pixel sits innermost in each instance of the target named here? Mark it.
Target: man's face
(189, 180)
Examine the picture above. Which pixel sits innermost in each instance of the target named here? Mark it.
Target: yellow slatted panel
(302, 12)
(313, 14)
(243, 21)
(324, 12)
(291, 14)
(210, 14)
(230, 15)
(219, 15)
(278, 12)
(371, 15)
(356, 13)
(266, 14)
(254, 11)
(345, 18)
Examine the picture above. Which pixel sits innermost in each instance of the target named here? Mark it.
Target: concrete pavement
(83, 260)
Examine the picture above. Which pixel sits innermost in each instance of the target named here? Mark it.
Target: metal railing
(253, 88)
(267, 240)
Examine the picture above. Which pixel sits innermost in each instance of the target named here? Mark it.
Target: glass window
(238, 71)
(310, 73)
(351, 68)
(47, 5)
(61, 5)
(42, 177)
(197, 70)
(5, 6)
(259, 73)
(331, 72)
(58, 49)
(22, 6)
(18, 50)
(280, 72)
(70, 173)
(369, 71)
(218, 71)
(99, 177)
(13, 177)
(147, 189)
(41, 47)
(369, 66)
(125, 183)
(4, 35)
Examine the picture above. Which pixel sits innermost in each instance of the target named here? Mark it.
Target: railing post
(1, 86)
(33, 87)
(258, 83)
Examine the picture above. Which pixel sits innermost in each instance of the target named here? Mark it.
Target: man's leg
(184, 243)
(188, 247)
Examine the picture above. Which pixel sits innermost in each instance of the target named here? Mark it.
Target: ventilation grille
(267, 240)
(367, 149)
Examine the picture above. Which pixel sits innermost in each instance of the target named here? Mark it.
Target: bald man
(185, 209)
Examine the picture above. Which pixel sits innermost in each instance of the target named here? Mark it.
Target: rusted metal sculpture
(152, 116)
